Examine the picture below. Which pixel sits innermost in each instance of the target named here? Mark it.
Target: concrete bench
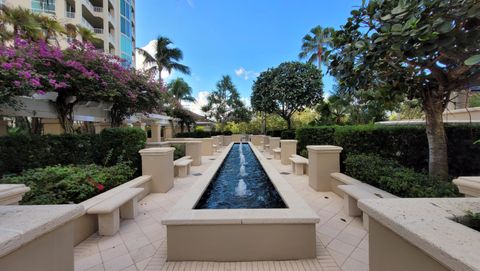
(182, 167)
(123, 204)
(353, 193)
(276, 153)
(337, 179)
(299, 164)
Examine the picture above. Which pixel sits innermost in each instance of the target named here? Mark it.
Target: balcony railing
(92, 7)
(96, 30)
(112, 38)
(110, 16)
(70, 14)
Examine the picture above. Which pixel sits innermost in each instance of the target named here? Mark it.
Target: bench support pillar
(276, 155)
(298, 168)
(350, 206)
(108, 224)
(129, 209)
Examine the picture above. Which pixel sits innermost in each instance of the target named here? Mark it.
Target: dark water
(228, 191)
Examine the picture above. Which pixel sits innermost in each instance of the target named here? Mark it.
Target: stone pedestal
(156, 132)
(12, 194)
(52, 127)
(322, 161)
(100, 126)
(288, 147)
(274, 143)
(468, 185)
(158, 163)
(227, 140)
(3, 127)
(256, 140)
(207, 146)
(168, 131)
(266, 142)
(194, 150)
(237, 138)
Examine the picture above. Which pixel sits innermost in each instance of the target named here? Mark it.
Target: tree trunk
(289, 122)
(264, 123)
(437, 140)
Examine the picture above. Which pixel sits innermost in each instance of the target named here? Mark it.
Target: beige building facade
(112, 21)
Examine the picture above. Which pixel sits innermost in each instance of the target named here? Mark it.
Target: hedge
(407, 145)
(69, 184)
(22, 152)
(198, 134)
(390, 176)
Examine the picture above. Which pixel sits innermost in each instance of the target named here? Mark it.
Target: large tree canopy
(421, 49)
(286, 89)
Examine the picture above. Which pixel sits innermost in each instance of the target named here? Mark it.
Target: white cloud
(246, 101)
(246, 74)
(150, 48)
(201, 100)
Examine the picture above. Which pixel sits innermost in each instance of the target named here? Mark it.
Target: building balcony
(70, 14)
(91, 7)
(96, 30)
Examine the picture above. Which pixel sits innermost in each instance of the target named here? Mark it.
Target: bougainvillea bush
(79, 73)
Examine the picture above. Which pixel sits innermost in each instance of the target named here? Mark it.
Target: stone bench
(12, 194)
(299, 164)
(182, 166)
(353, 193)
(276, 153)
(337, 179)
(123, 204)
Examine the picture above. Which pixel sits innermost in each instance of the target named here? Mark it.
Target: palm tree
(23, 22)
(315, 44)
(51, 28)
(164, 57)
(180, 90)
(87, 35)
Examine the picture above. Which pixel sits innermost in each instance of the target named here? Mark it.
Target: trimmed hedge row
(22, 152)
(390, 176)
(202, 134)
(67, 184)
(407, 145)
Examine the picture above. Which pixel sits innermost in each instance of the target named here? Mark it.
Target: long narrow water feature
(240, 182)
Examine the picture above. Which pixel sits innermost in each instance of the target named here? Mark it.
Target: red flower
(100, 187)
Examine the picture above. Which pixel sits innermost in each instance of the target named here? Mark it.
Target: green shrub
(67, 184)
(121, 144)
(407, 145)
(179, 151)
(21, 152)
(390, 176)
(288, 134)
(198, 134)
(275, 133)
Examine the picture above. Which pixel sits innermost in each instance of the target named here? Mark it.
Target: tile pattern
(342, 243)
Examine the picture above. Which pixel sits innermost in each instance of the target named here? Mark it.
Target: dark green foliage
(471, 220)
(198, 134)
(320, 135)
(405, 144)
(179, 151)
(227, 133)
(121, 144)
(287, 134)
(67, 184)
(22, 152)
(390, 176)
(275, 133)
(19, 152)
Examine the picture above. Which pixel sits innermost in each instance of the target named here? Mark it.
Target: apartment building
(112, 21)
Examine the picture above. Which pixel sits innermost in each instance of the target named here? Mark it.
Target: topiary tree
(287, 89)
(418, 49)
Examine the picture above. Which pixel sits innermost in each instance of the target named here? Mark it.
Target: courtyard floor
(342, 242)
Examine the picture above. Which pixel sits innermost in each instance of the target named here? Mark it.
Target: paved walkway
(342, 243)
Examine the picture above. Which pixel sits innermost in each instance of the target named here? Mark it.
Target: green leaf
(360, 44)
(445, 27)
(386, 17)
(397, 28)
(398, 10)
(379, 39)
(473, 60)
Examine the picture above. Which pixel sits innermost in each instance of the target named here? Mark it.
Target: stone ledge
(20, 225)
(428, 225)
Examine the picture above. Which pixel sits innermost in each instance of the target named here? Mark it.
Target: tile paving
(342, 243)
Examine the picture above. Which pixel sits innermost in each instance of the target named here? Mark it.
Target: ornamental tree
(418, 49)
(286, 89)
(224, 103)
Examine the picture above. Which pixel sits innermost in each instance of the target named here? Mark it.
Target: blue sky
(238, 38)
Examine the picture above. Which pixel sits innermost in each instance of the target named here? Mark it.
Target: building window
(47, 6)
